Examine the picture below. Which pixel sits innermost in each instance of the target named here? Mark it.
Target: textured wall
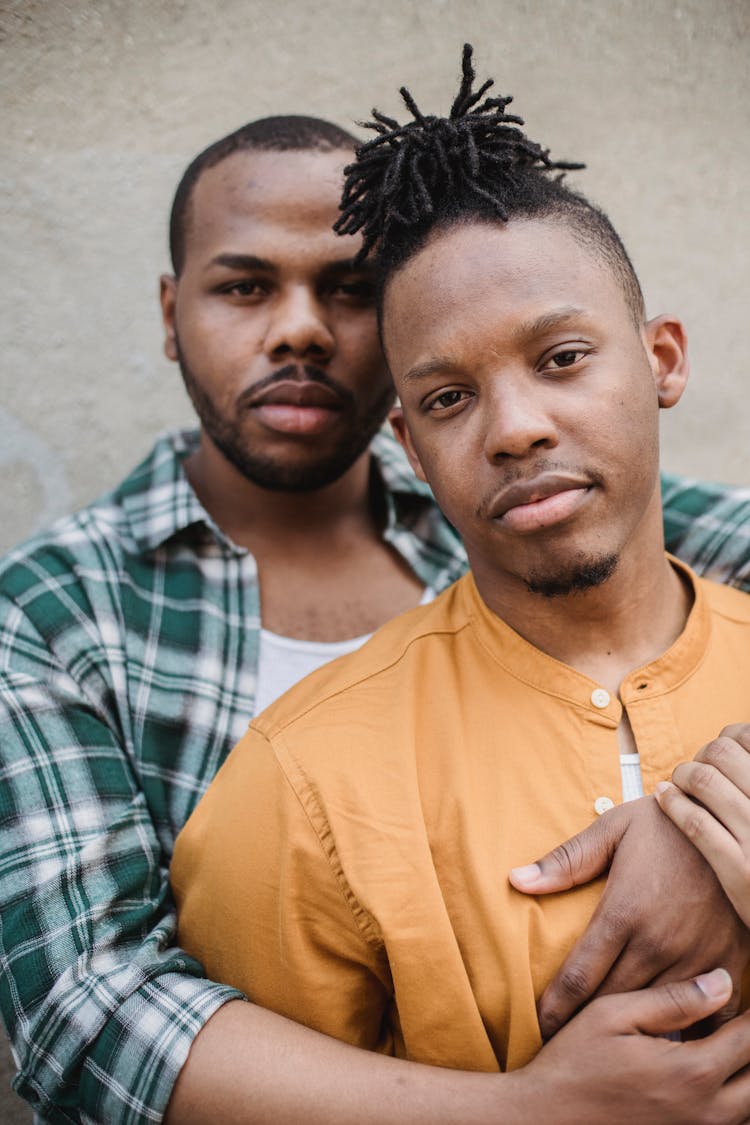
(105, 103)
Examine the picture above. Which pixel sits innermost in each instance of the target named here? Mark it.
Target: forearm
(251, 1067)
(611, 1063)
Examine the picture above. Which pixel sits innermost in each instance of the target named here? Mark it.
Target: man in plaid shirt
(131, 652)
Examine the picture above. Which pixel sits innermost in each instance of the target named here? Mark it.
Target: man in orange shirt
(347, 868)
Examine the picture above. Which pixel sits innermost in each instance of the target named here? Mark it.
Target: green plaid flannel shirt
(128, 654)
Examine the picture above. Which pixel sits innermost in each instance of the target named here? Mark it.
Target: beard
(581, 574)
(271, 472)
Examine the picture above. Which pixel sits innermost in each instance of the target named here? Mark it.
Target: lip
(297, 393)
(542, 502)
(297, 408)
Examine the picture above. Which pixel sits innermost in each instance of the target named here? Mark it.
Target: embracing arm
(250, 1067)
(100, 1007)
(707, 525)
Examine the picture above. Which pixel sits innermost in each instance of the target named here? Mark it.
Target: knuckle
(617, 921)
(718, 753)
(568, 857)
(703, 775)
(676, 996)
(700, 1078)
(574, 983)
(692, 824)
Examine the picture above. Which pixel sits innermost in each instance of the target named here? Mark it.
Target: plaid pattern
(128, 655)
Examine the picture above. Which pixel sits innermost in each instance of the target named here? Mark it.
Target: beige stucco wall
(105, 102)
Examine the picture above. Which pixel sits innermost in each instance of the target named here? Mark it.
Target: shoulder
(725, 602)
(80, 551)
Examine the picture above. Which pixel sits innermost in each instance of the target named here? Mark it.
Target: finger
(583, 970)
(729, 757)
(740, 732)
(719, 793)
(578, 860)
(675, 1006)
(728, 1049)
(713, 841)
(727, 1012)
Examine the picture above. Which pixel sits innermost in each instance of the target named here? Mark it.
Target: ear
(665, 341)
(401, 430)
(168, 300)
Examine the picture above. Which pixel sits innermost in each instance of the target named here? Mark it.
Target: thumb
(578, 860)
(678, 1004)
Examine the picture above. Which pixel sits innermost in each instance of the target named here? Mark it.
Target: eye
(245, 288)
(446, 400)
(360, 291)
(566, 359)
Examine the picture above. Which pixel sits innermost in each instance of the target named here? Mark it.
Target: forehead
(258, 200)
(482, 277)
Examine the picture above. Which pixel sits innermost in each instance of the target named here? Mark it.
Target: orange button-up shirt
(348, 866)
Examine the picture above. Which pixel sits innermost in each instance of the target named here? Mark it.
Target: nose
(517, 421)
(298, 327)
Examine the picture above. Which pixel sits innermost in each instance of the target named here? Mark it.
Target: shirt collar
(160, 502)
(552, 677)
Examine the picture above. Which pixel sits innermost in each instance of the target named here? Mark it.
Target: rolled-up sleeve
(101, 1007)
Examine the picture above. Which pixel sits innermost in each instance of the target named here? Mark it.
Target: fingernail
(661, 787)
(715, 984)
(529, 874)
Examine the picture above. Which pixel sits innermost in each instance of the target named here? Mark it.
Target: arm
(710, 803)
(650, 924)
(101, 1010)
(250, 1067)
(708, 527)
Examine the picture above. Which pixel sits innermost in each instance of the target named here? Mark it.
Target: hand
(662, 915)
(608, 1065)
(710, 802)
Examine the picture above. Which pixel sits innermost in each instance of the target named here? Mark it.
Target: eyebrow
(241, 262)
(549, 320)
(527, 330)
(247, 262)
(438, 363)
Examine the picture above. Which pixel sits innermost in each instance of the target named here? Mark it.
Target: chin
(580, 575)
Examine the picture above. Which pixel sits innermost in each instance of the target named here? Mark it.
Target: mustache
(519, 474)
(297, 373)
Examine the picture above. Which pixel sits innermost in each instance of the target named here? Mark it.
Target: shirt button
(600, 698)
(603, 804)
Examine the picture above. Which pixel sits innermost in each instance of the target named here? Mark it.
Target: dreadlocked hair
(433, 172)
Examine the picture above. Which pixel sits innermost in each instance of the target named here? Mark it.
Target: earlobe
(401, 430)
(168, 300)
(666, 345)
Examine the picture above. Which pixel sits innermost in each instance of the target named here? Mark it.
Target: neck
(605, 632)
(248, 512)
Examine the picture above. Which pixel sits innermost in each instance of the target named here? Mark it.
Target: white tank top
(283, 661)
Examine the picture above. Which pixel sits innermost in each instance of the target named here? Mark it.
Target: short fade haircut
(279, 134)
(476, 164)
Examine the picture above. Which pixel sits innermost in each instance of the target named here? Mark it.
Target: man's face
(274, 329)
(530, 399)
